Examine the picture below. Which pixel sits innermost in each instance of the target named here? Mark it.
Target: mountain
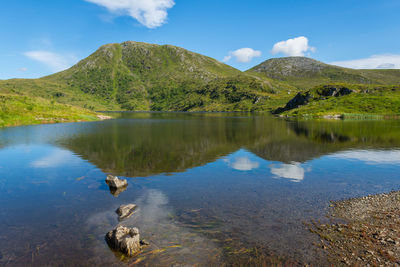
(305, 73)
(136, 76)
(141, 76)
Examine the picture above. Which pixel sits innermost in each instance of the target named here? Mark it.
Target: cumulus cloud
(150, 13)
(295, 172)
(243, 55)
(293, 47)
(55, 61)
(243, 164)
(385, 61)
(371, 156)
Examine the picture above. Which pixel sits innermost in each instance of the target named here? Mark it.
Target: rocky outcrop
(115, 182)
(303, 98)
(125, 211)
(125, 240)
(334, 91)
(299, 100)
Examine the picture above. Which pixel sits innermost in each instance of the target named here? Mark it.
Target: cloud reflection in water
(243, 164)
(156, 223)
(294, 171)
(370, 156)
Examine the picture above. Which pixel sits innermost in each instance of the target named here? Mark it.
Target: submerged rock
(126, 240)
(115, 182)
(125, 211)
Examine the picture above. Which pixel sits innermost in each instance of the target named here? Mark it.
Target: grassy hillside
(305, 73)
(140, 76)
(22, 110)
(356, 101)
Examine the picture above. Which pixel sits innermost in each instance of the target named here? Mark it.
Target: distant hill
(305, 73)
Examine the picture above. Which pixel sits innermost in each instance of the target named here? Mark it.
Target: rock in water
(115, 182)
(125, 240)
(125, 211)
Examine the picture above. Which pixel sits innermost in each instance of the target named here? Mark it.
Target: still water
(212, 189)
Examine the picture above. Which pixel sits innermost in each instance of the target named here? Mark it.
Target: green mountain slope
(345, 100)
(140, 76)
(305, 73)
(22, 110)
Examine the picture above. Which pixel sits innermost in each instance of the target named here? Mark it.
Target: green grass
(18, 110)
(366, 102)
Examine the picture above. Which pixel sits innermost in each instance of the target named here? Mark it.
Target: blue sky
(41, 37)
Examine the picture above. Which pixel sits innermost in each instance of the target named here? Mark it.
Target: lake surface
(212, 189)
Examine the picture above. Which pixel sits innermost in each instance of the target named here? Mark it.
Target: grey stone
(115, 182)
(125, 240)
(125, 211)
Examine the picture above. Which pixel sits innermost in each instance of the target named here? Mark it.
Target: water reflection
(294, 171)
(243, 164)
(53, 159)
(211, 185)
(139, 145)
(154, 218)
(371, 156)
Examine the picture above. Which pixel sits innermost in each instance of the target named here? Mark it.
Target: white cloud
(243, 55)
(55, 61)
(23, 69)
(150, 13)
(371, 156)
(385, 61)
(293, 171)
(293, 47)
(243, 164)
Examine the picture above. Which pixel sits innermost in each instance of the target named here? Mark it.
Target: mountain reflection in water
(211, 188)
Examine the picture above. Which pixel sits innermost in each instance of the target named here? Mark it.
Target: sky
(40, 37)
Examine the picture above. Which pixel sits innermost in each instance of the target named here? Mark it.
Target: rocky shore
(368, 233)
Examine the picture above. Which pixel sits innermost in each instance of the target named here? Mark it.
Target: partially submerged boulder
(125, 211)
(115, 182)
(126, 240)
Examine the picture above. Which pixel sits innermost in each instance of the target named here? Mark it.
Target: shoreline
(363, 231)
(99, 117)
(44, 121)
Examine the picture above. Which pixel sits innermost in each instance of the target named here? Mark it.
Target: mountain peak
(288, 66)
(306, 72)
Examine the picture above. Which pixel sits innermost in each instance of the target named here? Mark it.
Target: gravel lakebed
(363, 231)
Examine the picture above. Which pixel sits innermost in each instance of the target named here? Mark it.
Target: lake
(212, 188)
